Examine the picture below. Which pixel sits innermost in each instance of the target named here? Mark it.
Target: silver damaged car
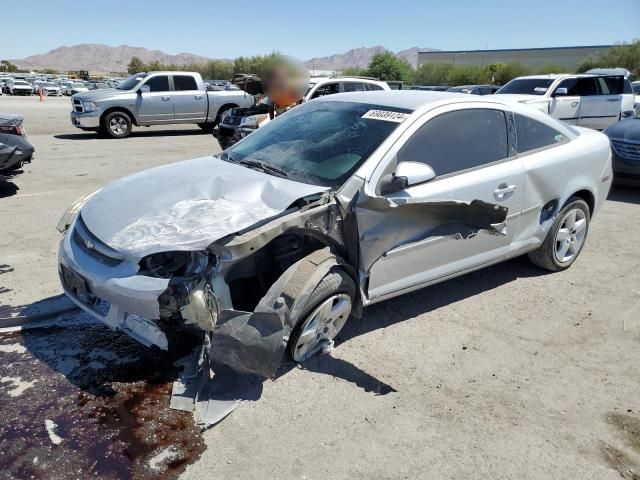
(339, 203)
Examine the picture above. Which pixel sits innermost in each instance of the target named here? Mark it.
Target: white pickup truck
(153, 98)
(588, 100)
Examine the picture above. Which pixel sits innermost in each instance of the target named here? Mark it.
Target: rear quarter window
(532, 134)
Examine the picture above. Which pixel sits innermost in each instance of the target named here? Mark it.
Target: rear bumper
(22, 153)
(85, 120)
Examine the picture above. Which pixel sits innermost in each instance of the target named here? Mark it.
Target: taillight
(12, 130)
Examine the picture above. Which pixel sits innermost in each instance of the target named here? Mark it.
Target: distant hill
(104, 58)
(360, 58)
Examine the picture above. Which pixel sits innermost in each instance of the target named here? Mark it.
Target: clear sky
(310, 28)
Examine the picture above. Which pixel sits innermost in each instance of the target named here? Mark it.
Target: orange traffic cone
(41, 95)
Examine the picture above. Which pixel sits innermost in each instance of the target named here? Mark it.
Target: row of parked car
(22, 85)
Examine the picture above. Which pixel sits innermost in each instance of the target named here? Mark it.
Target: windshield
(78, 85)
(527, 86)
(636, 89)
(48, 84)
(20, 82)
(320, 142)
(131, 82)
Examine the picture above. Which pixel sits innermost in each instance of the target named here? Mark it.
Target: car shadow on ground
(8, 188)
(625, 193)
(428, 299)
(134, 134)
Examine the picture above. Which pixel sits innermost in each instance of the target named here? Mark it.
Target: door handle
(198, 97)
(575, 104)
(166, 99)
(503, 191)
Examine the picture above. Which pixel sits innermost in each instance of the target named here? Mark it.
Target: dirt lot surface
(509, 372)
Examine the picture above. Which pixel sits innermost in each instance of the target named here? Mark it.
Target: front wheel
(566, 238)
(325, 313)
(116, 125)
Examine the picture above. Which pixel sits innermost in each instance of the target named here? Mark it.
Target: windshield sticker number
(386, 115)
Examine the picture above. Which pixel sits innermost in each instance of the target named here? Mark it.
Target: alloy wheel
(570, 236)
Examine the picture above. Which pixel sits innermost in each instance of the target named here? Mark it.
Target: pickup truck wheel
(325, 313)
(206, 127)
(116, 125)
(566, 238)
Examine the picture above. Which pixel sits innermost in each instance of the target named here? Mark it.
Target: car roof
(405, 99)
(555, 76)
(340, 78)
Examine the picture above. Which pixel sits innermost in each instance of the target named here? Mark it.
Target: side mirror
(144, 89)
(406, 175)
(560, 92)
(627, 114)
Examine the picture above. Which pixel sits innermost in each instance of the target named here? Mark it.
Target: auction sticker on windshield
(386, 115)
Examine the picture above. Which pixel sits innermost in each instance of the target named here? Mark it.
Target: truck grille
(627, 149)
(93, 246)
(77, 105)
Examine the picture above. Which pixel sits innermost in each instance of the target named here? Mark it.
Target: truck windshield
(132, 81)
(320, 142)
(527, 86)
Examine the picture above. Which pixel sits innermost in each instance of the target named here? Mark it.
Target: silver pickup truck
(153, 98)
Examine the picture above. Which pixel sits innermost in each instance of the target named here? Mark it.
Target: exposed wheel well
(224, 108)
(588, 197)
(119, 109)
(250, 279)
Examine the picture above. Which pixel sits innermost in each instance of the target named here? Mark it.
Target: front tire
(116, 125)
(325, 313)
(566, 238)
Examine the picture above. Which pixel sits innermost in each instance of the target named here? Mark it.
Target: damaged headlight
(174, 264)
(69, 216)
(250, 122)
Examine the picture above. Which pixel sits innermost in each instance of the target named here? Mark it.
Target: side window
(532, 134)
(352, 87)
(587, 87)
(327, 89)
(158, 84)
(372, 86)
(184, 82)
(611, 85)
(571, 84)
(459, 140)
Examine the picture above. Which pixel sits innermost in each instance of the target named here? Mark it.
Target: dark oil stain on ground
(623, 462)
(109, 398)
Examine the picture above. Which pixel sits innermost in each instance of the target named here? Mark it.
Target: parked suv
(18, 87)
(321, 86)
(593, 101)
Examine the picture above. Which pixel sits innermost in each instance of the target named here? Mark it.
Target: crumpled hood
(186, 205)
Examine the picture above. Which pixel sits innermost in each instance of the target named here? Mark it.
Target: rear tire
(206, 127)
(566, 238)
(116, 125)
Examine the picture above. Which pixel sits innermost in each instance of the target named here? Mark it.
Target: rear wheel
(566, 237)
(116, 125)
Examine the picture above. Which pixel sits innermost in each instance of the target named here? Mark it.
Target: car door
(329, 88)
(598, 108)
(432, 231)
(156, 105)
(610, 94)
(566, 106)
(189, 103)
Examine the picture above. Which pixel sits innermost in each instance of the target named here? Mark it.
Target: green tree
(624, 55)
(7, 66)
(136, 65)
(50, 71)
(354, 72)
(386, 66)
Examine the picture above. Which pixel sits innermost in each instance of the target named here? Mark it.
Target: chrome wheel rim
(322, 326)
(570, 236)
(118, 125)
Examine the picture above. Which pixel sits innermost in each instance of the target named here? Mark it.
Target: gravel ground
(509, 372)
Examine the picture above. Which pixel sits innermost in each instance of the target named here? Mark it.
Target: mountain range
(105, 58)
